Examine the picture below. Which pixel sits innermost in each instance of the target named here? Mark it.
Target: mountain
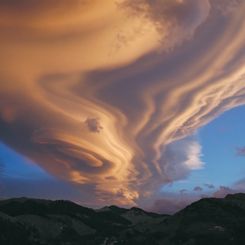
(25, 221)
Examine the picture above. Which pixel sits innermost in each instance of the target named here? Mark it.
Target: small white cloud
(210, 186)
(240, 151)
(193, 155)
(223, 191)
(197, 188)
(182, 191)
(181, 157)
(93, 125)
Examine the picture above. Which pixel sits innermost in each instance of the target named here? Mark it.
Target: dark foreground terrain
(209, 221)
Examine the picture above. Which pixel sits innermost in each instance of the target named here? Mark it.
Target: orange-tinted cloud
(99, 93)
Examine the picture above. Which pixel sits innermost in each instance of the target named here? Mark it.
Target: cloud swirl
(98, 93)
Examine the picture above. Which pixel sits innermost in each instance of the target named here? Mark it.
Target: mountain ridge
(30, 221)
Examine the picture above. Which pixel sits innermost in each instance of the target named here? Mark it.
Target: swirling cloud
(98, 93)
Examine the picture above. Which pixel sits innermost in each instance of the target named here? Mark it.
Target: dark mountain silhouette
(25, 221)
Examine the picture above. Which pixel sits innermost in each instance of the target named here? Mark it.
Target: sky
(223, 166)
(133, 103)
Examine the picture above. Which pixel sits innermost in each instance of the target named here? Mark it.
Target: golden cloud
(94, 92)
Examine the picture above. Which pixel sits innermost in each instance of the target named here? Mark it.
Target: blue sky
(17, 166)
(219, 140)
(21, 177)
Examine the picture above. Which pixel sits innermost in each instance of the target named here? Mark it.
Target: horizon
(128, 208)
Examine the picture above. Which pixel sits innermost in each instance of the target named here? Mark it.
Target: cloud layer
(100, 93)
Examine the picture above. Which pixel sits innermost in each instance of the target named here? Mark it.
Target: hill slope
(210, 221)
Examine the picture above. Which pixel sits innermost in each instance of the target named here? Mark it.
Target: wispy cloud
(210, 186)
(197, 188)
(182, 191)
(223, 191)
(240, 151)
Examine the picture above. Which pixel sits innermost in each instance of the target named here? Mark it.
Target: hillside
(25, 221)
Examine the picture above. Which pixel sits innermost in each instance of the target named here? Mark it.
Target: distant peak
(236, 196)
(25, 199)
